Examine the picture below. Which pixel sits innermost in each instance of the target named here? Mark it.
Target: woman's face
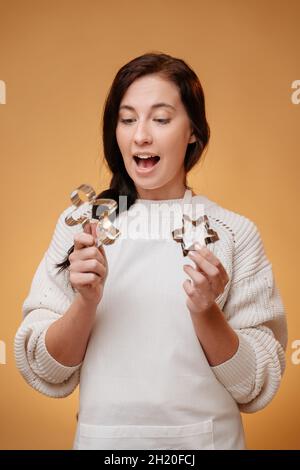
(147, 127)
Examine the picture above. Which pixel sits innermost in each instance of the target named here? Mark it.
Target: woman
(168, 353)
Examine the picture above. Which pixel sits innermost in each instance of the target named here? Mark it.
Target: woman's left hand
(209, 280)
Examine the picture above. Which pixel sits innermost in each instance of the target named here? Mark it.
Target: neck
(162, 193)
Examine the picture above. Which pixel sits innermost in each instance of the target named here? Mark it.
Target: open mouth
(146, 163)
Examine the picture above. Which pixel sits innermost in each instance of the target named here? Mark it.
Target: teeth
(144, 156)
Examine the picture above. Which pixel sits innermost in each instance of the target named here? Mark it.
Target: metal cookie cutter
(187, 225)
(106, 232)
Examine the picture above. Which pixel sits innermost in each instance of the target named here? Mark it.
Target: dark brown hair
(192, 96)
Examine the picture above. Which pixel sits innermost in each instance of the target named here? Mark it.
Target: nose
(142, 134)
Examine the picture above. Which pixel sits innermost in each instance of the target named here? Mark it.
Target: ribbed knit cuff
(50, 369)
(240, 368)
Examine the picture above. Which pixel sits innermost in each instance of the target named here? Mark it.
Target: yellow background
(58, 59)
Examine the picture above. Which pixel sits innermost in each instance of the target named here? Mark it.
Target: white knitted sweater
(251, 304)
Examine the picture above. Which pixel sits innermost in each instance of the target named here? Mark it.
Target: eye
(161, 121)
(126, 121)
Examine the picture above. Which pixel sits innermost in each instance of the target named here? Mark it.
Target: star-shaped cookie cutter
(178, 234)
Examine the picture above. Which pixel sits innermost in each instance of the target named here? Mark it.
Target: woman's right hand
(88, 265)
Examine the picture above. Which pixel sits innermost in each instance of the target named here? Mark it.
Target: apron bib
(145, 382)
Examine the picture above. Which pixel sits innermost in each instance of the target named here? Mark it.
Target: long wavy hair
(192, 96)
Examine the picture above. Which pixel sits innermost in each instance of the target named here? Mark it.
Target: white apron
(145, 382)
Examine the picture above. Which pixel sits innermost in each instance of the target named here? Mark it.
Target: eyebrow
(154, 106)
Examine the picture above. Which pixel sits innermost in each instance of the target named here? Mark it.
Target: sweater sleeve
(254, 309)
(49, 297)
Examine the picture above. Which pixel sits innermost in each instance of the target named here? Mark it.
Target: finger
(87, 227)
(88, 266)
(198, 278)
(201, 279)
(212, 259)
(93, 226)
(210, 272)
(87, 253)
(102, 251)
(203, 264)
(82, 240)
(188, 286)
(83, 279)
(207, 254)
